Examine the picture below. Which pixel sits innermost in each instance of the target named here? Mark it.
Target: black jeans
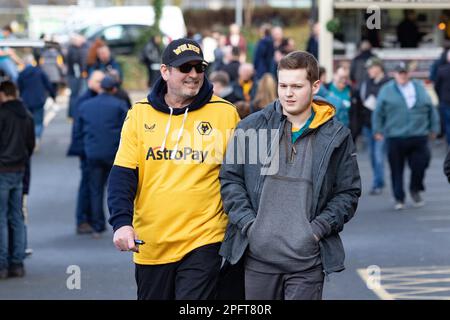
(416, 152)
(192, 278)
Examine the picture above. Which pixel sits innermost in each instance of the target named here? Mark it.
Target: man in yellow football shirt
(164, 186)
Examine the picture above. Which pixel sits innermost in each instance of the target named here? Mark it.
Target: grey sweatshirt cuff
(320, 227)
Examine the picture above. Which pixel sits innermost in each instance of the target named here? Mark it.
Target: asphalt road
(412, 244)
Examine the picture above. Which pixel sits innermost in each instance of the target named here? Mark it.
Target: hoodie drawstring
(180, 133)
(163, 145)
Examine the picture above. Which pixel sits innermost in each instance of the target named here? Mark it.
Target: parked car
(121, 38)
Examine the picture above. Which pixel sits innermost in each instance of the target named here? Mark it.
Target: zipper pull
(292, 153)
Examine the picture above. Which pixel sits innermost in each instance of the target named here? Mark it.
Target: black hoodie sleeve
(30, 135)
(122, 187)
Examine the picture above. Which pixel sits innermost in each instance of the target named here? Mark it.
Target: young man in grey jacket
(289, 182)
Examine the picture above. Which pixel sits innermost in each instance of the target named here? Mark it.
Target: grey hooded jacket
(336, 184)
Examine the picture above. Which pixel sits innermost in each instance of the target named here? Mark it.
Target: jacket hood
(15, 106)
(156, 97)
(324, 111)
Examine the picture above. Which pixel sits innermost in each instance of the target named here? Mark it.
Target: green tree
(158, 8)
(154, 29)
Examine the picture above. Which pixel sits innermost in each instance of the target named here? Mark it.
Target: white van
(171, 24)
(63, 20)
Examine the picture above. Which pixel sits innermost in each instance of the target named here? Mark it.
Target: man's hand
(124, 239)
(433, 136)
(378, 136)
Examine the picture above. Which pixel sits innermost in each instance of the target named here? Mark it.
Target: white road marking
(430, 283)
(433, 218)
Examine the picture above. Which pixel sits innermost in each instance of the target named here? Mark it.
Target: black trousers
(231, 282)
(416, 152)
(194, 277)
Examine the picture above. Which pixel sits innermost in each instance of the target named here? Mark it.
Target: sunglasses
(187, 67)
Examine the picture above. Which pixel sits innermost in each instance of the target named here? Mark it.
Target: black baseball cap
(181, 51)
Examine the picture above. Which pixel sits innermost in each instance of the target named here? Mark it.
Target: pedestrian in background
(16, 146)
(406, 118)
(265, 93)
(92, 54)
(236, 39)
(83, 211)
(232, 64)
(313, 42)
(361, 112)
(25, 192)
(264, 52)
(341, 91)
(99, 123)
(35, 88)
(221, 86)
(52, 64)
(447, 166)
(8, 57)
(432, 77)
(106, 62)
(284, 225)
(442, 88)
(151, 58)
(76, 70)
(358, 70)
(168, 195)
(246, 84)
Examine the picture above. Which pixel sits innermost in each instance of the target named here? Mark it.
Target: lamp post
(326, 9)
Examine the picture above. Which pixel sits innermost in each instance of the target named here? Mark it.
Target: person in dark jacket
(447, 166)
(232, 67)
(16, 146)
(288, 201)
(99, 123)
(34, 88)
(433, 76)
(408, 34)
(442, 88)
(222, 88)
(151, 58)
(264, 52)
(106, 62)
(313, 41)
(76, 70)
(76, 148)
(364, 102)
(358, 72)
